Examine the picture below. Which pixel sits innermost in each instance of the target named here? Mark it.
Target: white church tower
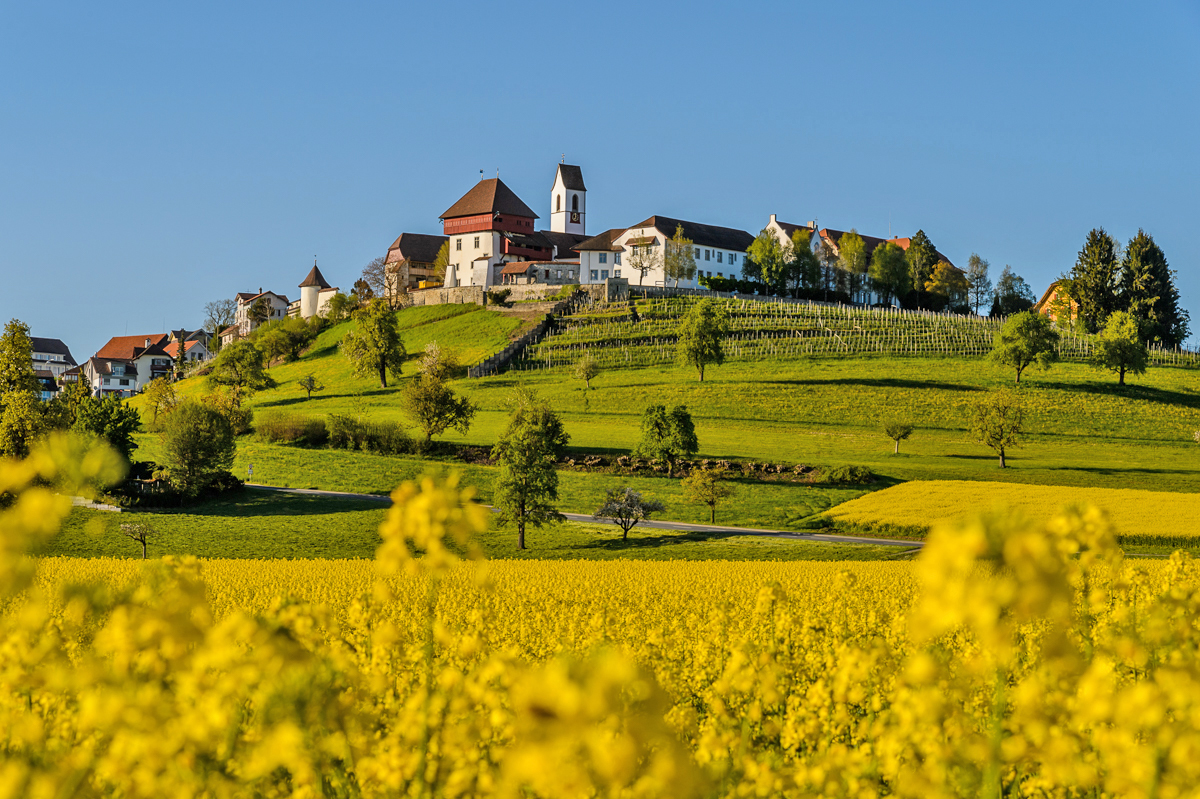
(568, 201)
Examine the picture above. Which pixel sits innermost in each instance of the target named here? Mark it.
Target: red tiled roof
(130, 347)
(489, 196)
(172, 348)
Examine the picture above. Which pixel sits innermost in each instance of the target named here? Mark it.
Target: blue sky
(157, 156)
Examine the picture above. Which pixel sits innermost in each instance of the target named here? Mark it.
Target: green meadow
(824, 411)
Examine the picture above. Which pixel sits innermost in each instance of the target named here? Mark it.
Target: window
(558, 273)
(697, 252)
(593, 275)
(616, 257)
(707, 253)
(124, 382)
(477, 242)
(603, 257)
(558, 203)
(733, 258)
(118, 369)
(570, 274)
(719, 274)
(107, 381)
(616, 273)
(574, 202)
(720, 256)
(604, 274)
(458, 244)
(547, 271)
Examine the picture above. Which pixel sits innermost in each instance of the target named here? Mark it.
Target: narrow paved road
(652, 525)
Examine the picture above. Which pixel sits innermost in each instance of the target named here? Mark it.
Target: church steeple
(568, 201)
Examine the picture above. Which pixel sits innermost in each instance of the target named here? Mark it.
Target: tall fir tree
(1148, 293)
(1094, 280)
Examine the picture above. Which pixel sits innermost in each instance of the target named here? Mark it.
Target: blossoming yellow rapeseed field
(1008, 661)
(1151, 517)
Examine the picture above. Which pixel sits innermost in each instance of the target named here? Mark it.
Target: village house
(409, 262)
(718, 251)
(1056, 304)
(127, 364)
(866, 296)
(51, 355)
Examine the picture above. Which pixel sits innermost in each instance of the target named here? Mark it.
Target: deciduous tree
(160, 397)
(437, 363)
(897, 432)
(526, 480)
(701, 332)
(889, 272)
(240, 366)
(679, 260)
(626, 507)
(198, 446)
(948, 282)
(309, 383)
(1026, 338)
(587, 368)
(260, 311)
(218, 315)
(112, 419)
(667, 435)
(375, 347)
(436, 408)
(1012, 294)
(21, 423)
(922, 257)
(771, 259)
(979, 285)
(139, 532)
(853, 261)
(1119, 347)
(16, 360)
(803, 268)
(441, 261)
(707, 487)
(997, 421)
(643, 259)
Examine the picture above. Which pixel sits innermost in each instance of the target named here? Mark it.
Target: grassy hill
(786, 406)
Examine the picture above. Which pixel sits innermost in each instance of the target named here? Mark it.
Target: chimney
(812, 225)
(147, 343)
(773, 222)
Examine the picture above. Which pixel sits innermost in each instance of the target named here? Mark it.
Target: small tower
(310, 292)
(568, 201)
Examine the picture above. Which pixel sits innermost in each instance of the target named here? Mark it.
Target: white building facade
(718, 252)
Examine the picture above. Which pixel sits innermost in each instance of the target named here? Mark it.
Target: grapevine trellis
(761, 330)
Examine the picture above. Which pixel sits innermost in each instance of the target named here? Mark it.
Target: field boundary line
(653, 524)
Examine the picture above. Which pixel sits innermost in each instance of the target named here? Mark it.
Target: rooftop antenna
(481, 174)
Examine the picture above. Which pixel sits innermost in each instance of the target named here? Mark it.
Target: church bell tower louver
(568, 201)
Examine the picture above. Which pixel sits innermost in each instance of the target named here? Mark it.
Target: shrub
(276, 427)
(386, 438)
(499, 297)
(345, 432)
(846, 475)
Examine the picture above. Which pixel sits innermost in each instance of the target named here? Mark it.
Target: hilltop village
(491, 240)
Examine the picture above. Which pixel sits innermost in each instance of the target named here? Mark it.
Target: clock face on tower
(575, 216)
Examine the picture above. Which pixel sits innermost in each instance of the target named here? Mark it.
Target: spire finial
(497, 173)
(563, 160)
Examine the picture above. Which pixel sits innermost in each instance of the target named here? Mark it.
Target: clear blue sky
(156, 156)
